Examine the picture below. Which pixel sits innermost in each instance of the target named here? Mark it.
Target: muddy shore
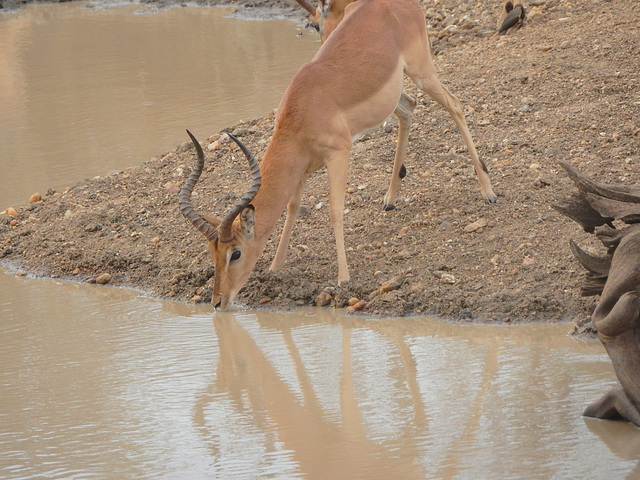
(565, 87)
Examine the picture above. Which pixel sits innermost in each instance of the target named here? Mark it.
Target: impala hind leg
(292, 213)
(337, 173)
(404, 112)
(429, 82)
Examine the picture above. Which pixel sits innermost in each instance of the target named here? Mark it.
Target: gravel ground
(564, 87)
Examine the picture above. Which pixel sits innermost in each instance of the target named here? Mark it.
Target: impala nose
(217, 305)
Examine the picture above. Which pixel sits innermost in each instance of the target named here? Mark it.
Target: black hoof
(492, 200)
(386, 207)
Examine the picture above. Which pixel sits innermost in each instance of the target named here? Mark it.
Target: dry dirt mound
(565, 87)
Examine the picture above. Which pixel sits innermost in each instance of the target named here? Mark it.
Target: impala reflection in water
(341, 397)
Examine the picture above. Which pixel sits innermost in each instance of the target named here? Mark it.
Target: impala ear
(212, 220)
(248, 220)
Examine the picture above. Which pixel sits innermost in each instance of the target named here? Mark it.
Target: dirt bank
(565, 87)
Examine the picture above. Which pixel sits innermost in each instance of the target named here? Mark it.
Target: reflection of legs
(614, 405)
(292, 214)
(337, 172)
(404, 112)
(426, 78)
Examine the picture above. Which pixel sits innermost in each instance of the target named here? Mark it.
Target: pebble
(35, 198)
(323, 299)
(352, 301)
(476, 226)
(528, 261)
(172, 188)
(356, 307)
(392, 284)
(447, 278)
(10, 211)
(103, 279)
(264, 300)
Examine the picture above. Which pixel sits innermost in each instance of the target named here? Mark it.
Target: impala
(353, 83)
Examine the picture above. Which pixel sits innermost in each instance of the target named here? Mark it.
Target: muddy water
(86, 91)
(102, 383)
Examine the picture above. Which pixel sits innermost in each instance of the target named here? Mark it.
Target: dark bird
(512, 18)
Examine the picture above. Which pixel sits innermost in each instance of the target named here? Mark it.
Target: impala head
(230, 237)
(327, 16)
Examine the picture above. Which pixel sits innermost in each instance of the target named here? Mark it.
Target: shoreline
(534, 107)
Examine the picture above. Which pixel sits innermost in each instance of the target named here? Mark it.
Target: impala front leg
(292, 213)
(404, 112)
(337, 173)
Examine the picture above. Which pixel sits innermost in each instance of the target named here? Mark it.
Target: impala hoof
(492, 200)
(386, 207)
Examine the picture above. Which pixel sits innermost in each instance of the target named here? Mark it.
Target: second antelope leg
(404, 112)
(337, 173)
(292, 213)
(427, 80)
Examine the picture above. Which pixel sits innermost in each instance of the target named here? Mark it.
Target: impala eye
(236, 255)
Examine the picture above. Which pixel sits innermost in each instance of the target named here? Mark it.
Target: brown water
(86, 91)
(102, 383)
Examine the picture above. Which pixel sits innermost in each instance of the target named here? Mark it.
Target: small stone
(172, 188)
(445, 225)
(447, 278)
(323, 299)
(265, 300)
(196, 298)
(11, 211)
(35, 198)
(476, 226)
(541, 182)
(357, 306)
(155, 240)
(528, 261)
(352, 301)
(13, 222)
(241, 132)
(103, 279)
(390, 285)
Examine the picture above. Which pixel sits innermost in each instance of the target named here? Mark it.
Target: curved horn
(184, 199)
(307, 6)
(227, 221)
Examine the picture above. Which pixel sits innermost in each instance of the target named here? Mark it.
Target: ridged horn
(614, 192)
(184, 199)
(307, 6)
(227, 221)
(596, 265)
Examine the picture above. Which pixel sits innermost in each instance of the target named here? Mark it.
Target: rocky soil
(565, 87)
